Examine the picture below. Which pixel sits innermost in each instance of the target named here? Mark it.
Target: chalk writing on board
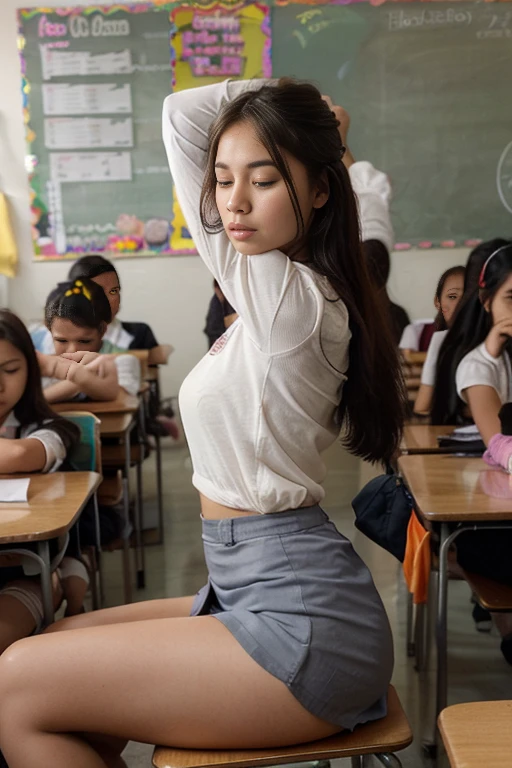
(87, 132)
(89, 98)
(90, 166)
(55, 63)
(500, 27)
(504, 177)
(413, 19)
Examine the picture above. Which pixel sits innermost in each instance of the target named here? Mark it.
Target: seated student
(379, 265)
(119, 335)
(33, 439)
(474, 265)
(418, 335)
(484, 383)
(77, 314)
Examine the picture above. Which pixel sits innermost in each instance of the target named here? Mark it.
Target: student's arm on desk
(423, 402)
(94, 375)
(484, 404)
(25, 455)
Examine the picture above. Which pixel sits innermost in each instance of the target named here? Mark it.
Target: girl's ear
(437, 304)
(321, 191)
(102, 329)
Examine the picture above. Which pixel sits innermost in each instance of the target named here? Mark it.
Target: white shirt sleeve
(265, 289)
(479, 368)
(428, 374)
(373, 192)
(53, 446)
(128, 373)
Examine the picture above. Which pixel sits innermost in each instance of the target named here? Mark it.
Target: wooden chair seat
(478, 734)
(491, 595)
(390, 734)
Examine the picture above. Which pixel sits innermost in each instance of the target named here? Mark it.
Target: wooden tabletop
(449, 488)
(54, 504)
(422, 438)
(115, 424)
(125, 403)
(478, 734)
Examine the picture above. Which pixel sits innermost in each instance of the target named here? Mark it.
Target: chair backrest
(86, 456)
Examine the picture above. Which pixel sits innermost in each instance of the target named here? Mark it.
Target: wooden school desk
(478, 734)
(54, 504)
(118, 418)
(422, 438)
(454, 494)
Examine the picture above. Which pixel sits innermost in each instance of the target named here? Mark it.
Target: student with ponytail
(77, 314)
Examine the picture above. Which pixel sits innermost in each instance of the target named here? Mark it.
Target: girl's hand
(497, 337)
(341, 115)
(82, 357)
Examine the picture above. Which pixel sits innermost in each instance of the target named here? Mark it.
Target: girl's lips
(242, 234)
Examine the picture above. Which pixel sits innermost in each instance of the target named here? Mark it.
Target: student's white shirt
(411, 335)
(260, 407)
(480, 368)
(373, 192)
(428, 373)
(51, 440)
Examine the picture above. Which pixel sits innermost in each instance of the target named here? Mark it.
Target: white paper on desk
(14, 490)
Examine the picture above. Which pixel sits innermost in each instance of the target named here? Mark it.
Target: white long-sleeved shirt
(259, 408)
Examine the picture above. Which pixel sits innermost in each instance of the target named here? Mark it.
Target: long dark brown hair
(293, 117)
(32, 407)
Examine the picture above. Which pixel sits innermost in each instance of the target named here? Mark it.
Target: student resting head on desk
(77, 314)
(474, 264)
(32, 439)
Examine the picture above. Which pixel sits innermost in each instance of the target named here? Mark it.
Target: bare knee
(13, 668)
(71, 622)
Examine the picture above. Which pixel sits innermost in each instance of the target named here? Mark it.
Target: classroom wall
(171, 294)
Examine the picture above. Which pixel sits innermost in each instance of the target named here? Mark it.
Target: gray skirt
(302, 603)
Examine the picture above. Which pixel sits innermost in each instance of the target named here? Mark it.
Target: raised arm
(265, 289)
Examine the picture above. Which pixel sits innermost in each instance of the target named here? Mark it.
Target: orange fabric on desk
(416, 563)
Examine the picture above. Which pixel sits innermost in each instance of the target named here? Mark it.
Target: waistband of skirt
(232, 530)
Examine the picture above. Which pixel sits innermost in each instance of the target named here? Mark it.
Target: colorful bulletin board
(94, 80)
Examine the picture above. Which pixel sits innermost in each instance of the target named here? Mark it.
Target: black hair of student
(477, 259)
(377, 262)
(82, 301)
(470, 327)
(292, 117)
(32, 407)
(460, 270)
(91, 266)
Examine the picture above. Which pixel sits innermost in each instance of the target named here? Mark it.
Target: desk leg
(159, 491)
(43, 549)
(127, 523)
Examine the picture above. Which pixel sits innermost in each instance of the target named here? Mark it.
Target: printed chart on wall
(93, 82)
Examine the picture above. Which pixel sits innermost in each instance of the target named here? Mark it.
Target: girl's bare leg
(185, 682)
(108, 747)
(168, 608)
(16, 621)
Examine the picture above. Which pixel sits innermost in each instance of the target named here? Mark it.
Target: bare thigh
(184, 682)
(169, 608)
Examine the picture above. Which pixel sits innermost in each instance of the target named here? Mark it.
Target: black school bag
(383, 509)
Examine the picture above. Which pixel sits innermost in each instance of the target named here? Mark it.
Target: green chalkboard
(428, 86)
(95, 86)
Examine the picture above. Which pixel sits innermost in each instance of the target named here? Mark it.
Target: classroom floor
(477, 669)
